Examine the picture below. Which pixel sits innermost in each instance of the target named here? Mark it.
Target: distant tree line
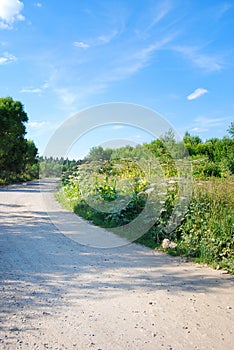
(214, 157)
(54, 167)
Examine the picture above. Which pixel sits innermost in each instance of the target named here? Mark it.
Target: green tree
(15, 150)
(31, 163)
(192, 143)
(231, 130)
(128, 152)
(98, 153)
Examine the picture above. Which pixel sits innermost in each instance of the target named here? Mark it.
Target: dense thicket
(18, 156)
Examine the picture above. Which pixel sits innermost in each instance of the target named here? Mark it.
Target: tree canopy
(17, 154)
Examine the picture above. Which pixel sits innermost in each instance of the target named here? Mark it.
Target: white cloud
(4, 25)
(66, 96)
(209, 63)
(31, 90)
(35, 90)
(37, 125)
(117, 127)
(100, 40)
(38, 4)
(45, 85)
(10, 11)
(196, 129)
(81, 44)
(7, 58)
(203, 124)
(197, 93)
(38, 129)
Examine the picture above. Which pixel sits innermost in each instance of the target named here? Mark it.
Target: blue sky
(175, 57)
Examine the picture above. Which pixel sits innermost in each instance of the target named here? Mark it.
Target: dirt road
(58, 294)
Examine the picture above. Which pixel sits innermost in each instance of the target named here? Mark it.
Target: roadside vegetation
(189, 184)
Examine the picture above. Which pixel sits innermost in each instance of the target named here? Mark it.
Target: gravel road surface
(56, 293)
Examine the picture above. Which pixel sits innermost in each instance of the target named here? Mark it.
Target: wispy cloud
(223, 8)
(4, 25)
(81, 44)
(139, 59)
(153, 17)
(157, 45)
(38, 129)
(100, 40)
(10, 11)
(37, 125)
(105, 39)
(129, 62)
(45, 85)
(161, 10)
(7, 58)
(66, 96)
(205, 122)
(197, 93)
(33, 90)
(209, 63)
(71, 95)
(197, 129)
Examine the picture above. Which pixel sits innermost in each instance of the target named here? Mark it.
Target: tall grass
(207, 233)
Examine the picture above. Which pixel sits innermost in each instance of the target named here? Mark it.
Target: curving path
(56, 293)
